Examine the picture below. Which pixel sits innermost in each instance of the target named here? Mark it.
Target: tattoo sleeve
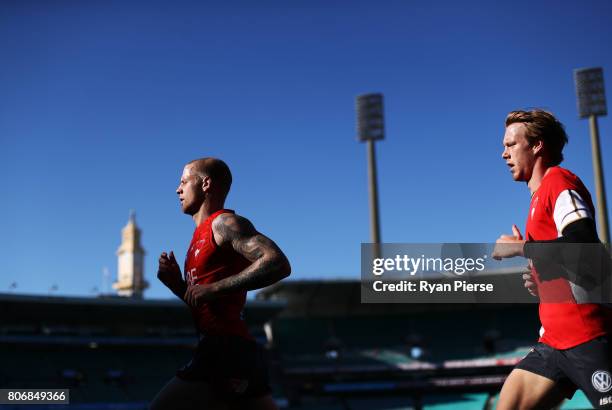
(268, 263)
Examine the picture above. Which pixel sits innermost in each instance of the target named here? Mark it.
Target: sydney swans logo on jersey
(601, 381)
(198, 247)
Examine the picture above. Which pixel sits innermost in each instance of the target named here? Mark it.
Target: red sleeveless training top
(566, 320)
(207, 263)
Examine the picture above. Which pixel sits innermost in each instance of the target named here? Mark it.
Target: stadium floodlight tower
(371, 127)
(591, 104)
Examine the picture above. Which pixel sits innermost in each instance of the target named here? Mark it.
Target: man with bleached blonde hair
(226, 258)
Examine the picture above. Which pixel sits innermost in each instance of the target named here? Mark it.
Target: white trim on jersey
(569, 208)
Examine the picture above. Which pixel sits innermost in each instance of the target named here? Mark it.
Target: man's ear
(538, 147)
(206, 183)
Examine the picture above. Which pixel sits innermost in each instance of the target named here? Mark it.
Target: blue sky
(103, 102)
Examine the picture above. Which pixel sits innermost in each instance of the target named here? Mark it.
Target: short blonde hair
(217, 170)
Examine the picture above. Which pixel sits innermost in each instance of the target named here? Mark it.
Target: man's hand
(169, 273)
(530, 283)
(508, 246)
(196, 295)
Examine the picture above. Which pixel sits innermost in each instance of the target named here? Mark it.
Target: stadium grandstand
(111, 352)
(339, 353)
(327, 349)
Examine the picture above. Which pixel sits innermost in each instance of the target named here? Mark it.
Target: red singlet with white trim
(207, 263)
(560, 200)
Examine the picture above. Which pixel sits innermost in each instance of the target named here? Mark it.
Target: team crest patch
(602, 381)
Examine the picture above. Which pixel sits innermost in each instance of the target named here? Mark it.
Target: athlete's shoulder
(559, 172)
(562, 178)
(230, 218)
(229, 226)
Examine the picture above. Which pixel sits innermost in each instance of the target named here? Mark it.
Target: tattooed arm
(268, 263)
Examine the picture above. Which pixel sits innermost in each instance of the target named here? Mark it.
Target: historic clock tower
(130, 255)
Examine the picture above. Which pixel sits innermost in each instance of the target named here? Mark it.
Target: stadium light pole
(371, 127)
(591, 96)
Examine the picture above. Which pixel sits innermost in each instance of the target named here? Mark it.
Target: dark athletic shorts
(234, 367)
(587, 367)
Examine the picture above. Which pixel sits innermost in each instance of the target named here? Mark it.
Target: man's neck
(207, 209)
(538, 173)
